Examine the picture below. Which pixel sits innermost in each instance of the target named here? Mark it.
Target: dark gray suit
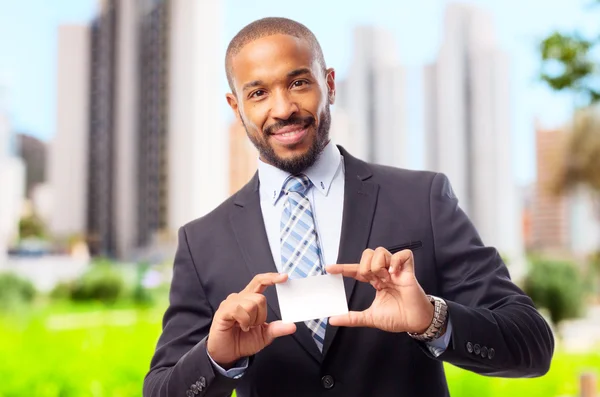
(496, 329)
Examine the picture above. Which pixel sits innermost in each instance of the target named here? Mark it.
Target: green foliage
(556, 286)
(101, 354)
(102, 282)
(567, 65)
(80, 351)
(108, 283)
(31, 227)
(15, 291)
(141, 295)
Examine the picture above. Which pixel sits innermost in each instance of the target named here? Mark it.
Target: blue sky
(28, 31)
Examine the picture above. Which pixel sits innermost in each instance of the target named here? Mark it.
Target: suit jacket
(496, 329)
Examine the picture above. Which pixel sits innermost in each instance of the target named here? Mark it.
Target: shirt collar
(321, 174)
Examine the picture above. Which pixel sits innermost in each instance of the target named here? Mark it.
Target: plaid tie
(300, 251)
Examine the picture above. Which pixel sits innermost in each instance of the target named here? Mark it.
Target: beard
(297, 164)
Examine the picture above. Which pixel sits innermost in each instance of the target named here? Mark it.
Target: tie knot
(296, 183)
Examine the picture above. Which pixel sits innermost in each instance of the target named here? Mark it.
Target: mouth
(290, 135)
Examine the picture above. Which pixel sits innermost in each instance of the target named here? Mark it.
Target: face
(282, 97)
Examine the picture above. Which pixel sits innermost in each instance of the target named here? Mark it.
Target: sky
(28, 32)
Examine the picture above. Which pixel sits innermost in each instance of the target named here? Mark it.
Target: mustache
(295, 120)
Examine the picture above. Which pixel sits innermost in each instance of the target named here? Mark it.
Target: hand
(400, 303)
(239, 327)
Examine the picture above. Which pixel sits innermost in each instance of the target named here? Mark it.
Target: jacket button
(469, 347)
(327, 381)
(491, 353)
(476, 349)
(484, 352)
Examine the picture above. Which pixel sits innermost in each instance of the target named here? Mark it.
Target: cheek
(315, 103)
(252, 118)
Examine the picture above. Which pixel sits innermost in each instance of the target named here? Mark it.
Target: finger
(276, 329)
(365, 264)
(380, 263)
(349, 270)
(351, 319)
(260, 282)
(261, 307)
(402, 261)
(242, 317)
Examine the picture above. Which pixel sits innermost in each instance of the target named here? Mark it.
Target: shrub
(15, 291)
(103, 282)
(556, 286)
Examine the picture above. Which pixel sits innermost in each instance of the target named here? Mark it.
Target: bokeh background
(114, 132)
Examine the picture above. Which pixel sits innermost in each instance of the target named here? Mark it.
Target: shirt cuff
(234, 373)
(438, 346)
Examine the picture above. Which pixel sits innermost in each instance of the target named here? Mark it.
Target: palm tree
(568, 65)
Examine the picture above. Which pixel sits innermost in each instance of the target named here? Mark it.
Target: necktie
(300, 251)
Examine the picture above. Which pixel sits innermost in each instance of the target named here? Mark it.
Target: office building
(468, 133)
(68, 150)
(373, 96)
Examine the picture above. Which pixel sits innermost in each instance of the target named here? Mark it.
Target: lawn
(87, 350)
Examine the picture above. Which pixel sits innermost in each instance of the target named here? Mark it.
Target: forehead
(271, 57)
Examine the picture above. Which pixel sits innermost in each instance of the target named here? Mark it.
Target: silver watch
(440, 315)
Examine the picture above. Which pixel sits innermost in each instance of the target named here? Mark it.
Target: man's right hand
(239, 327)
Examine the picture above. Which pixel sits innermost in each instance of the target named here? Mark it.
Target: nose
(284, 105)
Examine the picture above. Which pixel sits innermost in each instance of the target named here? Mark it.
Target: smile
(291, 137)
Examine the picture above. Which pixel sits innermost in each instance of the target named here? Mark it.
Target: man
(421, 286)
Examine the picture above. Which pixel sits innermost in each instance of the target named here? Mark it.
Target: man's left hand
(400, 303)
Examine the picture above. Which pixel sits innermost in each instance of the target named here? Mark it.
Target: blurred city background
(114, 132)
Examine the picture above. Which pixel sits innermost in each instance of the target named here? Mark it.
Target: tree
(568, 65)
(31, 227)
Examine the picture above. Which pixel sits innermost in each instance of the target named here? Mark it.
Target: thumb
(351, 319)
(276, 329)
(402, 262)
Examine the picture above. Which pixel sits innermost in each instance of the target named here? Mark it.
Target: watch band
(438, 323)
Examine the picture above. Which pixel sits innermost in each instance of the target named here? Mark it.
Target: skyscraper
(126, 131)
(550, 211)
(198, 147)
(68, 150)
(101, 139)
(562, 223)
(157, 156)
(468, 126)
(373, 97)
(152, 207)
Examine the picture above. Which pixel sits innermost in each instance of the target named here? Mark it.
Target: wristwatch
(438, 323)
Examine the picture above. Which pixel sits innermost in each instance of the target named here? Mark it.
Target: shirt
(326, 197)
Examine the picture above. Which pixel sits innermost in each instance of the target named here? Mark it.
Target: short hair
(267, 27)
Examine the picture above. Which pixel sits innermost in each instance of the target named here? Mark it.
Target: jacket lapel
(360, 199)
(249, 228)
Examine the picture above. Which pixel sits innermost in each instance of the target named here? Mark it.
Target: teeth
(290, 133)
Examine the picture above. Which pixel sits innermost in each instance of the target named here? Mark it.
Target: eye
(257, 94)
(299, 83)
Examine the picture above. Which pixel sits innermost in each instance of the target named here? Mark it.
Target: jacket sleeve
(496, 329)
(180, 364)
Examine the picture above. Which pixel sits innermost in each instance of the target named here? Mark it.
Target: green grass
(94, 353)
(87, 350)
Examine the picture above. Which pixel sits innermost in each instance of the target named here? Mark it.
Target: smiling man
(421, 286)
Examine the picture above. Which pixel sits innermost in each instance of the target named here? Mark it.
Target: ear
(330, 80)
(233, 104)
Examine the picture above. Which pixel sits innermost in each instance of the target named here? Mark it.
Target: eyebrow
(299, 72)
(293, 73)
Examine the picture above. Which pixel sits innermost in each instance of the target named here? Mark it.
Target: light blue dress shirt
(326, 198)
